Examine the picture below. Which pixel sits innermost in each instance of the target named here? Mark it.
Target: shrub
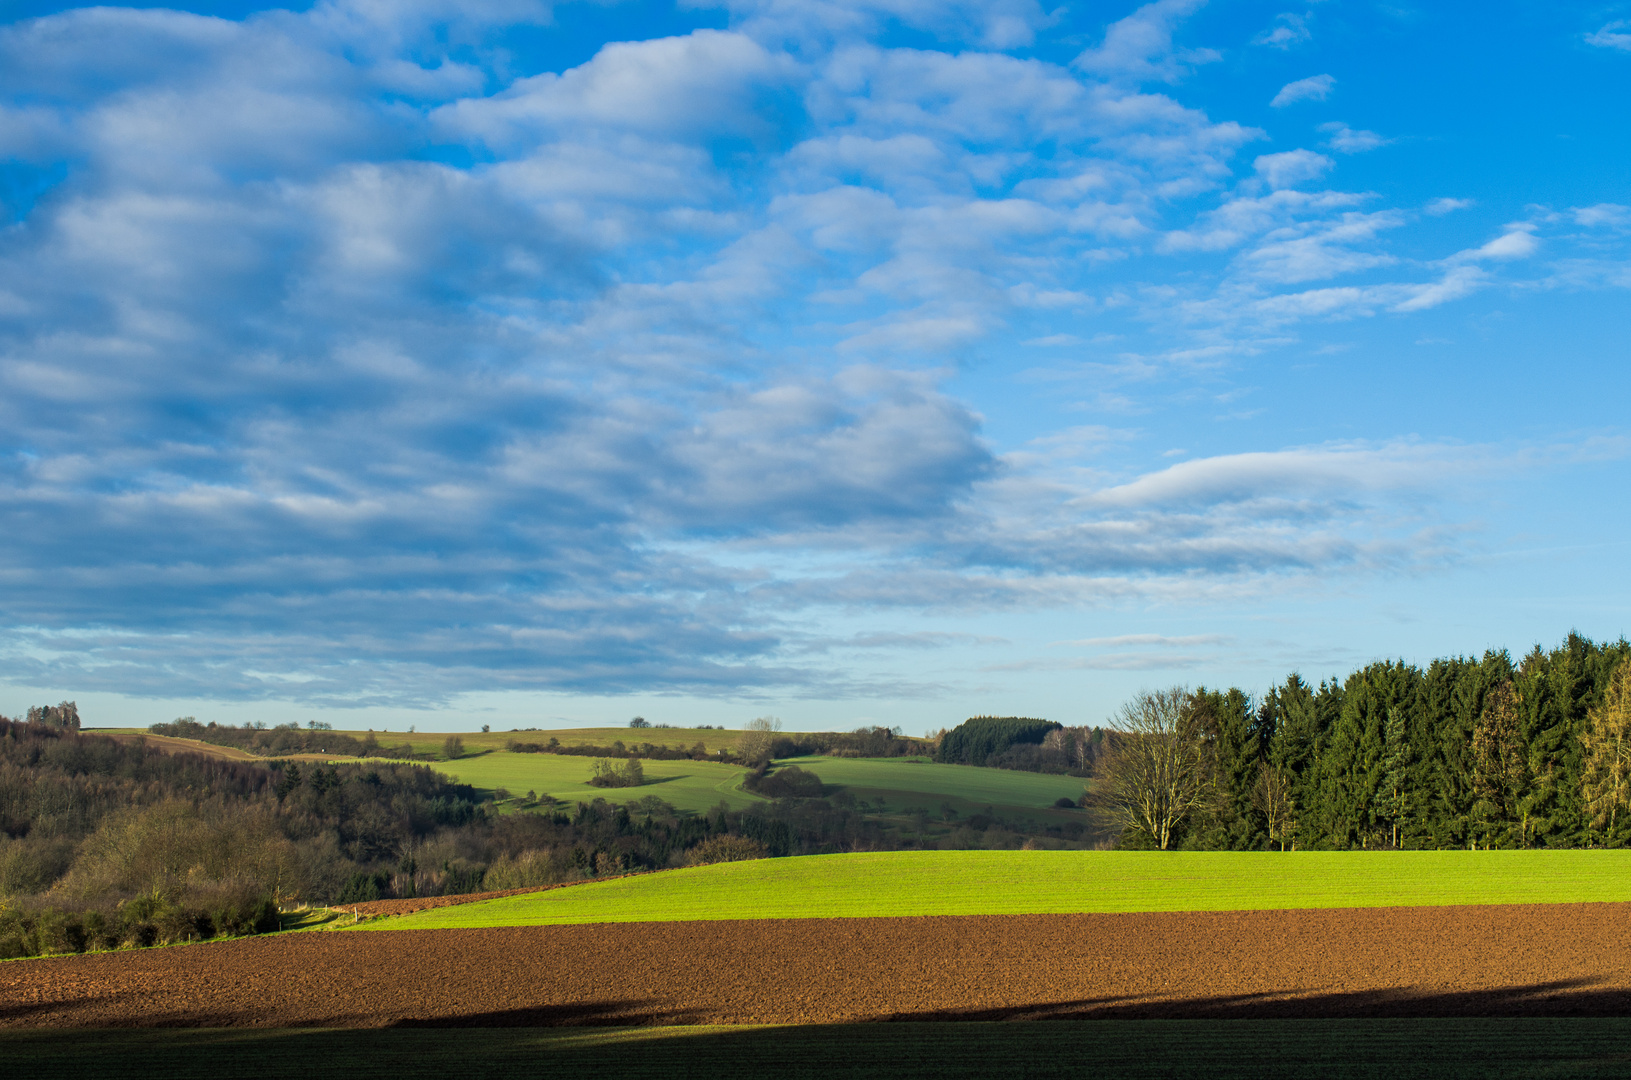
(626, 773)
(453, 748)
(788, 782)
(718, 849)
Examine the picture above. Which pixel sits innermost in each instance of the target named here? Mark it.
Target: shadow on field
(577, 1014)
(1561, 998)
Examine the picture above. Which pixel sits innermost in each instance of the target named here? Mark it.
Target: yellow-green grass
(685, 785)
(909, 883)
(519, 1046)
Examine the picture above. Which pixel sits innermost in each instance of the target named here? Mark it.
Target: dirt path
(1554, 960)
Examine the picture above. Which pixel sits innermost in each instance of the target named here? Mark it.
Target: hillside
(947, 883)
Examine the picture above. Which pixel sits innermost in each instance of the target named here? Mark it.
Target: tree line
(1465, 753)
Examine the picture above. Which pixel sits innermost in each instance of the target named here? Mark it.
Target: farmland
(922, 883)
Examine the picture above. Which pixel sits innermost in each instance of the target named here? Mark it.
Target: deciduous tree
(1153, 774)
(1605, 741)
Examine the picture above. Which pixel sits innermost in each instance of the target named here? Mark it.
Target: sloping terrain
(1552, 960)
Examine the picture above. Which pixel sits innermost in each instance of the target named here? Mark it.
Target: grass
(686, 785)
(905, 784)
(893, 785)
(903, 883)
(1442, 1049)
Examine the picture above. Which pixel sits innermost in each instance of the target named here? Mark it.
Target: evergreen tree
(1394, 803)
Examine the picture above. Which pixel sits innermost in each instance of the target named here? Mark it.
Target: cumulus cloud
(1313, 88)
(1612, 36)
(1287, 31)
(1140, 47)
(1611, 215)
(1440, 207)
(1292, 167)
(1345, 140)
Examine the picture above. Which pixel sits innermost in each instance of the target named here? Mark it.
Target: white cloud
(1288, 30)
(1518, 242)
(1159, 640)
(1345, 140)
(1139, 48)
(1313, 88)
(1612, 36)
(1440, 207)
(1292, 167)
(1611, 215)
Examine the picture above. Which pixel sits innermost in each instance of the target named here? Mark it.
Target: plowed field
(1551, 960)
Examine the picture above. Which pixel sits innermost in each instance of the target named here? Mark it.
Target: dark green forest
(1465, 753)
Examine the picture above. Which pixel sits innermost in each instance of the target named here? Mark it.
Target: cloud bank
(344, 362)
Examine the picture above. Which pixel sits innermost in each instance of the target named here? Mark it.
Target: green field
(898, 883)
(1440, 1049)
(891, 785)
(902, 784)
(685, 785)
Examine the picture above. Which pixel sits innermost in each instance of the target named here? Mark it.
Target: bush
(453, 748)
(789, 782)
(718, 849)
(626, 773)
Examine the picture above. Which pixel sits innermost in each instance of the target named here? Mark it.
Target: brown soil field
(1550, 960)
(425, 903)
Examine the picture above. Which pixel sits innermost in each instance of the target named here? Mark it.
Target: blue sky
(847, 361)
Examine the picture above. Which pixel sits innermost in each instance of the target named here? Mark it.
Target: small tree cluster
(612, 774)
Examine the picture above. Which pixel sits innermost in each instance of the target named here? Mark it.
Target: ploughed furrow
(1531, 960)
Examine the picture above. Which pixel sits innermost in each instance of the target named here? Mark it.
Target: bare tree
(1272, 795)
(1605, 772)
(757, 739)
(1152, 771)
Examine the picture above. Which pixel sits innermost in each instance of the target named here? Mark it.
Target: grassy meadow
(907, 883)
(685, 785)
(885, 785)
(1430, 1049)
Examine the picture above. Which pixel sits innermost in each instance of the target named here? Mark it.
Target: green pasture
(904, 883)
(686, 785)
(905, 784)
(503, 1048)
(886, 785)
